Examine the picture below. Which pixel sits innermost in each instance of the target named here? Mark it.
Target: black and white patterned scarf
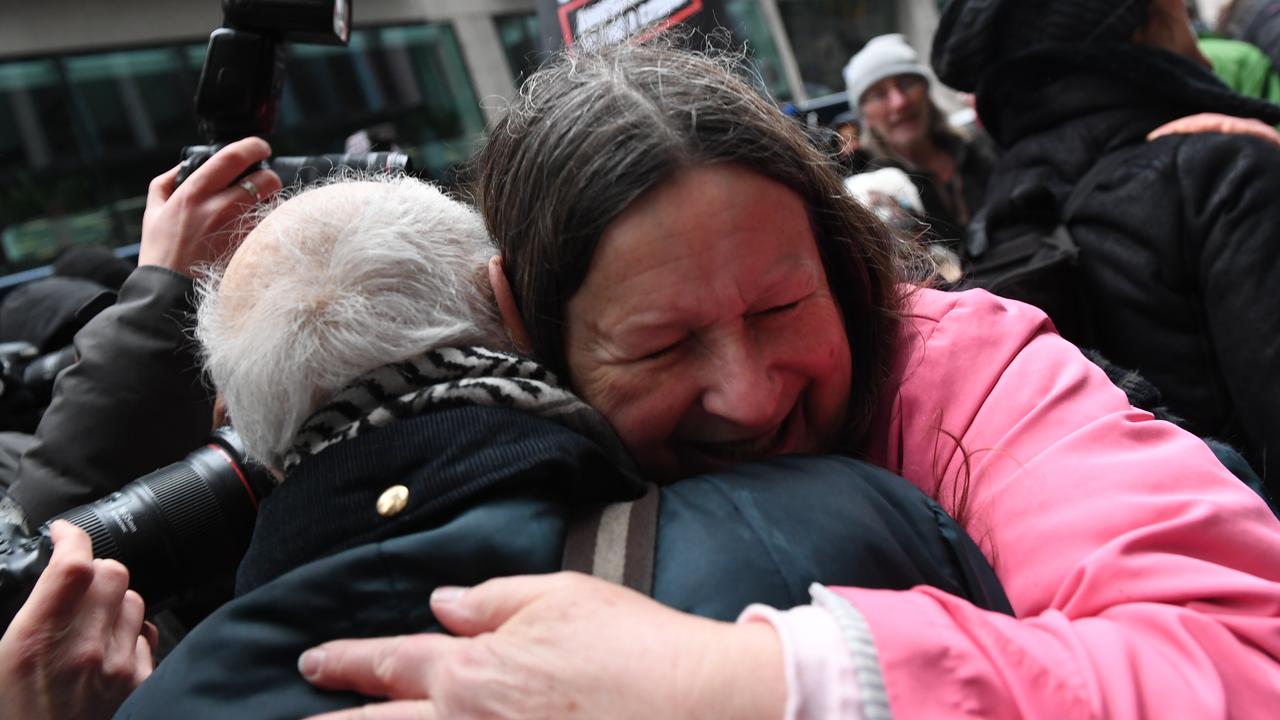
(451, 377)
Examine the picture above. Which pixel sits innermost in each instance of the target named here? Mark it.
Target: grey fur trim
(862, 648)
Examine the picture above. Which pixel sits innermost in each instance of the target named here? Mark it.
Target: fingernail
(309, 663)
(447, 594)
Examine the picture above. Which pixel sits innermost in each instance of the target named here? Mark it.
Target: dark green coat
(490, 490)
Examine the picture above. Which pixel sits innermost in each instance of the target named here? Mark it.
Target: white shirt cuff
(821, 681)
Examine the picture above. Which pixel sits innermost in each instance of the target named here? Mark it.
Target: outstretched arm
(1143, 575)
(564, 646)
(135, 400)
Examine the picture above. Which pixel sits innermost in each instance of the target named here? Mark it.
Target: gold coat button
(393, 500)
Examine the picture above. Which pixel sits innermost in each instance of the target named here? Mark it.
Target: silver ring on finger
(248, 186)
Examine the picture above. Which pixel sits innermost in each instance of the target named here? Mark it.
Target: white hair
(356, 275)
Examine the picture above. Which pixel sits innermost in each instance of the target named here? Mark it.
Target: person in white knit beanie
(889, 87)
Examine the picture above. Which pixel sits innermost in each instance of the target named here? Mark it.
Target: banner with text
(594, 22)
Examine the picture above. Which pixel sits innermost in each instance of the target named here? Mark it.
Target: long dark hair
(593, 130)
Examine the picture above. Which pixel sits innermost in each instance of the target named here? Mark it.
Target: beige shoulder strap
(616, 542)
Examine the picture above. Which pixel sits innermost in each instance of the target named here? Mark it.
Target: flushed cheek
(828, 370)
(643, 408)
(816, 335)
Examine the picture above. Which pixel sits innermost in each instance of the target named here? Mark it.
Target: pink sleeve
(1146, 578)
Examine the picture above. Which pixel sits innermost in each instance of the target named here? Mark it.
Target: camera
(26, 382)
(303, 169)
(24, 370)
(243, 75)
(174, 529)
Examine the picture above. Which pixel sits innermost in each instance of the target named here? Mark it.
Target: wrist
(743, 675)
(164, 261)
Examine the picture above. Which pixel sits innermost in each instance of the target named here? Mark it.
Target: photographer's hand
(76, 649)
(196, 223)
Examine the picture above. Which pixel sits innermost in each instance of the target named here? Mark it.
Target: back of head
(334, 282)
(594, 130)
(974, 35)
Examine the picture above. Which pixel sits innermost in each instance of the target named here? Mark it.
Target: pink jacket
(1145, 577)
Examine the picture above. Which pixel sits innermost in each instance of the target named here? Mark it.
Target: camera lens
(180, 525)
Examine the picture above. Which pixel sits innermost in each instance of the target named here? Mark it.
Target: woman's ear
(507, 310)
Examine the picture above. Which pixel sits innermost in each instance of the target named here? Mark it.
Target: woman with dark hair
(674, 247)
(633, 143)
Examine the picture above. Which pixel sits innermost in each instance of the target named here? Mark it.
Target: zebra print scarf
(451, 377)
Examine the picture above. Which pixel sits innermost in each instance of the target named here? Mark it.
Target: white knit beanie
(882, 57)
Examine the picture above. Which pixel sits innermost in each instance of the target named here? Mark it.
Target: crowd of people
(662, 420)
(1172, 265)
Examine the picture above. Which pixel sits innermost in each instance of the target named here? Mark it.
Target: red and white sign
(593, 22)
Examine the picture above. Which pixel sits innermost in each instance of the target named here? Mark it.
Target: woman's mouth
(768, 444)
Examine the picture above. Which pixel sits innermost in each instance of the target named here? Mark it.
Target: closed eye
(779, 309)
(663, 351)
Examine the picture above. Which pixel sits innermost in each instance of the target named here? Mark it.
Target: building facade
(96, 97)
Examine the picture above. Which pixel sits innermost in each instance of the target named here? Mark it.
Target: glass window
(408, 83)
(439, 117)
(748, 23)
(132, 99)
(324, 83)
(77, 135)
(824, 34)
(82, 135)
(35, 115)
(520, 43)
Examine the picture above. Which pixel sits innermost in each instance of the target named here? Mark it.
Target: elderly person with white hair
(355, 340)
(355, 344)
(335, 283)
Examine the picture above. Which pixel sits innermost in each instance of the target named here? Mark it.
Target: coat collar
(446, 459)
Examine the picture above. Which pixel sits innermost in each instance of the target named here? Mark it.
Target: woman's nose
(740, 385)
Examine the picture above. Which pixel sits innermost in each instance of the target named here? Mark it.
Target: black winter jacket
(134, 402)
(949, 207)
(1180, 243)
(490, 492)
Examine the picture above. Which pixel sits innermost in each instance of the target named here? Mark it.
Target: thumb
(486, 607)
